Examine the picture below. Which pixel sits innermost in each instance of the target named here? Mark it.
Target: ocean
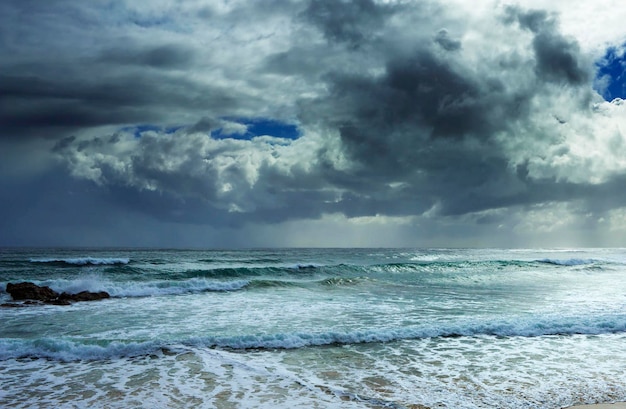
(316, 328)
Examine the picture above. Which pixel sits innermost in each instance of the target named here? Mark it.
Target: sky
(313, 123)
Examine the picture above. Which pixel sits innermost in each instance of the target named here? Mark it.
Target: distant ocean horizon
(316, 328)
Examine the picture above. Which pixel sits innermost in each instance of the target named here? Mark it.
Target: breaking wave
(74, 349)
(568, 262)
(95, 283)
(82, 261)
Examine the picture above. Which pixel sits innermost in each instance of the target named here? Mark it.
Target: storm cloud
(445, 124)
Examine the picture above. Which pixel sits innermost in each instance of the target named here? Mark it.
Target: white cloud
(239, 175)
(571, 144)
(595, 25)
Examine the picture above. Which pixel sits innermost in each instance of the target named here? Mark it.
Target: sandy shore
(618, 405)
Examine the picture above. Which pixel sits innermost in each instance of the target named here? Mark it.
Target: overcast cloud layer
(419, 123)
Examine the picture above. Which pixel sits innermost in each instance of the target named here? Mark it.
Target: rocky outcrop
(84, 296)
(32, 292)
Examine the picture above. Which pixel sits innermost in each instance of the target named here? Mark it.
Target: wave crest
(78, 349)
(568, 262)
(95, 283)
(82, 261)
(471, 329)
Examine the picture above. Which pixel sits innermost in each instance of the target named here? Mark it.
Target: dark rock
(84, 296)
(30, 291)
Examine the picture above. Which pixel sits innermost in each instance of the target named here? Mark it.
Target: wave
(71, 350)
(568, 262)
(230, 272)
(306, 266)
(81, 261)
(75, 349)
(163, 288)
(260, 260)
(448, 266)
(95, 283)
(299, 269)
(272, 284)
(341, 281)
(137, 289)
(444, 266)
(529, 328)
(327, 282)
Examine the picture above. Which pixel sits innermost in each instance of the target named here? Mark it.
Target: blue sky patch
(259, 127)
(611, 78)
(255, 127)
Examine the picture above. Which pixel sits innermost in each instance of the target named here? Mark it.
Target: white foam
(160, 288)
(83, 261)
(188, 378)
(461, 373)
(427, 257)
(468, 373)
(95, 282)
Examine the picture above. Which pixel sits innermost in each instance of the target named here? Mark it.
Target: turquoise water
(327, 328)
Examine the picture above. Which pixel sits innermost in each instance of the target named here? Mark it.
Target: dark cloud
(443, 39)
(426, 96)
(206, 125)
(46, 106)
(558, 58)
(298, 61)
(168, 56)
(350, 22)
(65, 68)
(428, 124)
(45, 209)
(436, 126)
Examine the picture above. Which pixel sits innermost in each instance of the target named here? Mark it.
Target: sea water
(316, 328)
